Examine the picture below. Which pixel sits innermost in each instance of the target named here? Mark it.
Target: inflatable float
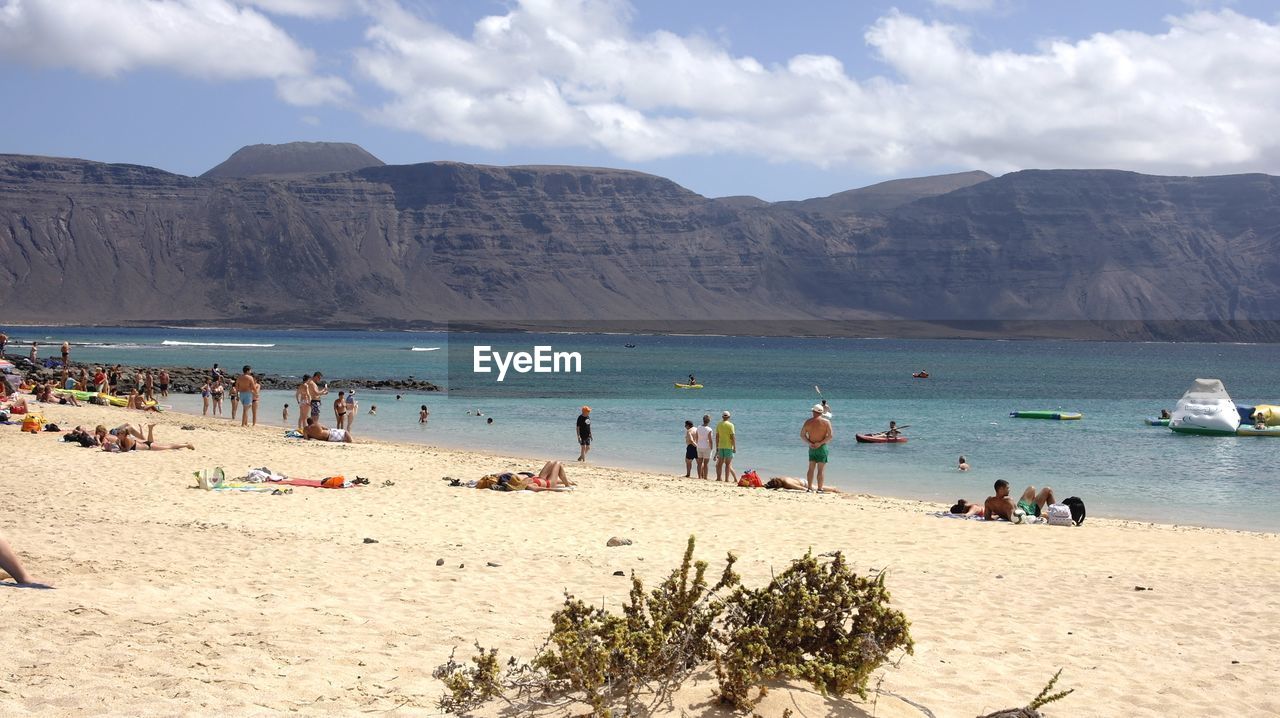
(880, 438)
(1270, 412)
(1207, 409)
(90, 395)
(1155, 421)
(1250, 431)
(1056, 415)
(688, 386)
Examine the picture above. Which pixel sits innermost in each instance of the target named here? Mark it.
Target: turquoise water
(1120, 466)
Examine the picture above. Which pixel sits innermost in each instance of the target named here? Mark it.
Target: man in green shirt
(726, 445)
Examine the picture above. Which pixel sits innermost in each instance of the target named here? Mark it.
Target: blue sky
(779, 100)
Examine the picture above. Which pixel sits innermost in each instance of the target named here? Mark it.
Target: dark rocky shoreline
(188, 380)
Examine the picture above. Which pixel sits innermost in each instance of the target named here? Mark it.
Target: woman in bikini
(128, 442)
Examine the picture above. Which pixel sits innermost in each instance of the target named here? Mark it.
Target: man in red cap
(584, 433)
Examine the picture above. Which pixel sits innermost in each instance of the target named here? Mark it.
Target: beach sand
(172, 600)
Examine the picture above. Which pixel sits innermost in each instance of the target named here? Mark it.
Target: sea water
(1119, 465)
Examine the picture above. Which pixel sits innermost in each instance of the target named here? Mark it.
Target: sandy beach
(170, 600)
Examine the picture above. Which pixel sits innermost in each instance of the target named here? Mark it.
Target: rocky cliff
(398, 245)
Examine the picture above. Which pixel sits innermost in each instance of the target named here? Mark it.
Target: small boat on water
(629, 346)
(1251, 431)
(879, 438)
(688, 386)
(920, 375)
(1044, 414)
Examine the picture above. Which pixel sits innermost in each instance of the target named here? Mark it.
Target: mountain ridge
(407, 245)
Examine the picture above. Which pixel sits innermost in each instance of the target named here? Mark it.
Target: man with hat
(817, 433)
(726, 446)
(584, 433)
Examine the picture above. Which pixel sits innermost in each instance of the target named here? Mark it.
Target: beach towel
(293, 434)
(949, 515)
(313, 483)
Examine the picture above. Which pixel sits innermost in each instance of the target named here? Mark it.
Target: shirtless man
(66, 355)
(313, 395)
(164, 382)
(150, 384)
(817, 432)
(246, 387)
(1001, 506)
(315, 431)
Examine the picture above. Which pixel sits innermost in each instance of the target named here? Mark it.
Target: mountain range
(324, 234)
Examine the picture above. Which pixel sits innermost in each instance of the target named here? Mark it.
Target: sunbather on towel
(966, 508)
(1001, 506)
(315, 430)
(787, 482)
(552, 476)
(126, 441)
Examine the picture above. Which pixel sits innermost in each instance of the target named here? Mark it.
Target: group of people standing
(245, 389)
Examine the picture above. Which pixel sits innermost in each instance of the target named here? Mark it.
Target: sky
(726, 97)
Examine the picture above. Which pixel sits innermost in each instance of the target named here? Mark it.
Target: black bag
(1077, 509)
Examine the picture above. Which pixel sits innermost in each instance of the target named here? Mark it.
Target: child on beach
(286, 414)
(423, 414)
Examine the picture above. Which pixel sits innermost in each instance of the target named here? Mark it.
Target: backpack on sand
(1077, 509)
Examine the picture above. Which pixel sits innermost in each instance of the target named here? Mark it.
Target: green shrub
(816, 621)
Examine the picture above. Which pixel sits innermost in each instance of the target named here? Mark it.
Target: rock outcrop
(293, 158)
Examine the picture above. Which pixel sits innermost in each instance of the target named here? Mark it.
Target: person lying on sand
(126, 441)
(552, 476)
(1001, 506)
(787, 482)
(965, 508)
(315, 431)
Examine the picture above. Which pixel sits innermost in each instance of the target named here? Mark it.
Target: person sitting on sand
(1001, 506)
(793, 484)
(965, 508)
(12, 565)
(126, 441)
(315, 431)
(137, 402)
(963, 465)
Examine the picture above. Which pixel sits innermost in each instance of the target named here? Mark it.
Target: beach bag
(32, 424)
(209, 480)
(750, 478)
(1077, 509)
(1059, 515)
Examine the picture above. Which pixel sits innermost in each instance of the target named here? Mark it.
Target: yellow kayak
(688, 386)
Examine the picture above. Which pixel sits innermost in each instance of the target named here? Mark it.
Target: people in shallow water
(962, 465)
(1164, 414)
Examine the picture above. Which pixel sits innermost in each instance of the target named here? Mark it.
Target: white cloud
(1202, 95)
(211, 39)
(325, 9)
(965, 5)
